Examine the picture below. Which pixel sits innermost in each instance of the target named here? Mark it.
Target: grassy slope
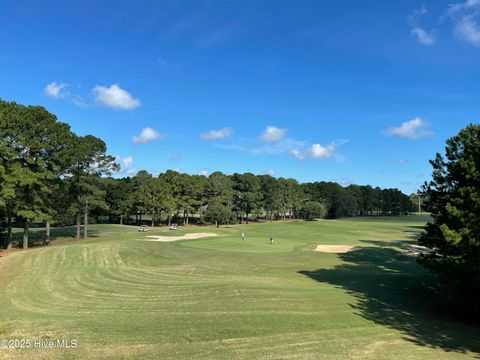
(221, 298)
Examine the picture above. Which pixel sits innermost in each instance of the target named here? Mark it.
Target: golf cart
(143, 228)
(174, 227)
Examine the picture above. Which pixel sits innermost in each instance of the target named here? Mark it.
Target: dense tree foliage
(40, 157)
(218, 213)
(34, 144)
(313, 210)
(453, 198)
(185, 198)
(49, 174)
(356, 200)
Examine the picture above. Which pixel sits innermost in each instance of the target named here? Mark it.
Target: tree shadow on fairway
(401, 244)
(57, 236)
(392, 290)
(418, 227)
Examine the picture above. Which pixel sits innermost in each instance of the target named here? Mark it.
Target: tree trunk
(9, 234)
(25, 234)
(121, 219)
(217, 224)
(47, 233)
(78, 226)
(169, 219)
(85, 222)
(246, 218)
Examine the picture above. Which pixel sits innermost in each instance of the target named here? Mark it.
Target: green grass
(121, 297)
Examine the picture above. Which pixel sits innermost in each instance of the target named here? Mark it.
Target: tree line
(220, 198)
(50, 174)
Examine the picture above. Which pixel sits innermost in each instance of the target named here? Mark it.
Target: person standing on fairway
(271, 240)
(242, 235)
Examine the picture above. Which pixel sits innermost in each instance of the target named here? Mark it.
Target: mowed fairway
(219, 297)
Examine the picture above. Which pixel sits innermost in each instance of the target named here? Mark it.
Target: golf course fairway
(121, 297)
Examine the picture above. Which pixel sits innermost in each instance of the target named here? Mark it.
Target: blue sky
(354, 92)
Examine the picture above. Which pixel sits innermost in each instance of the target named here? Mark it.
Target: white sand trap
(336, 249)
(176, 238)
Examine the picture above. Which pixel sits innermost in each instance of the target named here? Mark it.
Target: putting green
(225, 298)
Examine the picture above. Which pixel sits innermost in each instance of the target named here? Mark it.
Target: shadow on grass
(398, 294)
(417, 227)
(57, 235)
(402, 244)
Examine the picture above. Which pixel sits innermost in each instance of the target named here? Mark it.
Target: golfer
(271, 240)
(242, 236)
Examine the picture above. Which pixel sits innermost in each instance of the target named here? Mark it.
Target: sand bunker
(336, 249)
(176, 238)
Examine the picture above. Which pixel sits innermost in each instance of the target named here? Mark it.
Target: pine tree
(453, 198)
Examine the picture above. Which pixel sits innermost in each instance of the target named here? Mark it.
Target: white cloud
(422, 36)
(115, 97)
(465, 18)
(128, 161)
(418, 12)
(467, 29)
(472, 3)
(345, 182)
(279, 147)
(59, 91)
(319, 152)
(456, 8)
(274, 142)
(55, 90)
(204, 172)
(148, 134)
(269, 172)
(297, 154)
(126, 165)
(413, 129)
(224, 133)
(273, 134)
